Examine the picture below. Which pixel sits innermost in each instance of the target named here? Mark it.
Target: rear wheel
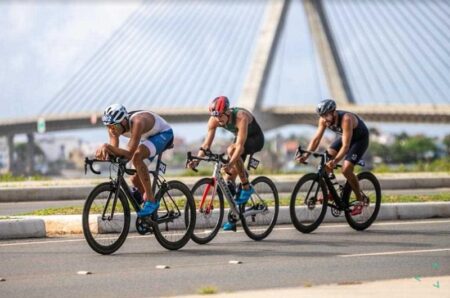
(308, 204)
(209, 210)
(259, 215)
(106, 219)
(371, 190)
(176, 216)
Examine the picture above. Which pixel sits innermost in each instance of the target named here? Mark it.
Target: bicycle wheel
(106, 221)
(370, 187)
(259, 215)
(176, 216)
(308, 204)
(209, 215)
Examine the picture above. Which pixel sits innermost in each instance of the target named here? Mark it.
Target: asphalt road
(333, 254)
(17, 208)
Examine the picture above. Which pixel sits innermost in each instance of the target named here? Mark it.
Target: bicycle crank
(335, 212)
(143, 227)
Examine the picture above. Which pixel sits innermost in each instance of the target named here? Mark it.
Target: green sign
(41, 125)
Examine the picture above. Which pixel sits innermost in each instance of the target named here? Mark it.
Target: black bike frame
(322, 174)
(121, 183)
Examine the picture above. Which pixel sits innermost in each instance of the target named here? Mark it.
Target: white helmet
(114, 114)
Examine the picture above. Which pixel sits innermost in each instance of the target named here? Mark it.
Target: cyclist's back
(359, 131)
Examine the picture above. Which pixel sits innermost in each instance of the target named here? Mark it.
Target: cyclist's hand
(331, 164)
(192, 164)
(102, 152)
(301, 158)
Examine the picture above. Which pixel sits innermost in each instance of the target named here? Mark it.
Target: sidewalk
(430, 287)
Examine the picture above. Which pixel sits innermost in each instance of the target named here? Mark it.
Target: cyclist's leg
(231, 176)
(253, 144)
(333, 150)
(137, 183)
(354, 154)
(154, 145)
(143, 152)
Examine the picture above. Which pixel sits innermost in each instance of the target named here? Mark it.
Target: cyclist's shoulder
(242, 112)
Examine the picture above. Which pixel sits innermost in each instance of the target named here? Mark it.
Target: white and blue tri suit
(158, 138)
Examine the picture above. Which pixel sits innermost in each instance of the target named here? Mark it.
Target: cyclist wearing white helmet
(149, 135)
(350, 146)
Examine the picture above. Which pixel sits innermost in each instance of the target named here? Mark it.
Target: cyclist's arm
(315, 141)
(136, 133)
(242, 126)
(347, 132)
(113, 140)
(212, 126)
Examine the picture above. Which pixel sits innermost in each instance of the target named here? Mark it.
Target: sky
(44, 43)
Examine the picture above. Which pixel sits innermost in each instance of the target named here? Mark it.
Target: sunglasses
(216, 114)
(115, 125)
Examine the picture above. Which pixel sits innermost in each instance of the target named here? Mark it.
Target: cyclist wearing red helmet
(249, 139)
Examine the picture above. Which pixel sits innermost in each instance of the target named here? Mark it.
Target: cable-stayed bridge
(388, 61)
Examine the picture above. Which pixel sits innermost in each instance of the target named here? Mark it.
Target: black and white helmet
(325, 106)
(114, 114)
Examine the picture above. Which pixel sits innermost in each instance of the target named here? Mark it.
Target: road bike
(258, 216)
(106, 213)
(314, 192)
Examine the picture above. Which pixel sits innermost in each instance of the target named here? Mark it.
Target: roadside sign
(41, 125)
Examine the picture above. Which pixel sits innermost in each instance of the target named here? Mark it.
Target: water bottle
(137, 195)
(335, 183)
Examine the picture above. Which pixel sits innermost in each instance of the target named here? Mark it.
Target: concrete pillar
(264, 52)
(30, 154)
(11, 153)
(323, 39)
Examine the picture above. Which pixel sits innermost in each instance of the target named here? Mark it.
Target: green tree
(411, 149)
(446, 143)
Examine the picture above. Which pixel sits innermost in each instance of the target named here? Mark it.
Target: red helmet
(219, 106)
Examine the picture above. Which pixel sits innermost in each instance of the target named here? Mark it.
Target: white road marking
(400, 252)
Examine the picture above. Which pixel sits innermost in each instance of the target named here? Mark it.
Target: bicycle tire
(373, 184)
(206, 227)
(316, 216)
(174, 235)
(94, 225)
(270, 192)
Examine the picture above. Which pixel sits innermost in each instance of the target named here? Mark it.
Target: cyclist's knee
(138, 157)
(347, 169)
(331, 153)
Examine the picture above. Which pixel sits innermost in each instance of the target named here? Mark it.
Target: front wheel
(210, 209)
(308, 204)
(371, 191)
(259, 215)
(176, 215)
(106, 218)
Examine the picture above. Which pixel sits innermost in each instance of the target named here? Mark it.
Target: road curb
(42, 226)
(18, 228)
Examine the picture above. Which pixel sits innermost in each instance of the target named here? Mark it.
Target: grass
(207, 290)
(8, 177)
(284, 201)
(6, 217)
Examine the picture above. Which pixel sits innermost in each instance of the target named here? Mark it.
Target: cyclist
(350, 146)
(149, 135)
(249, 139)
